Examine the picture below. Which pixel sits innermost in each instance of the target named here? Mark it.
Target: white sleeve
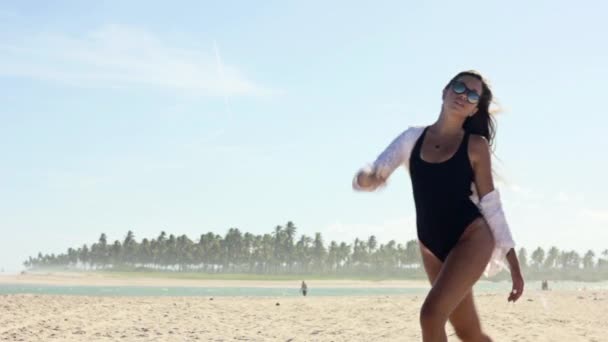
(394, 155)
(491, 208)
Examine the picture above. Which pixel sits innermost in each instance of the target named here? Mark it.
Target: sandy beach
(538, 316)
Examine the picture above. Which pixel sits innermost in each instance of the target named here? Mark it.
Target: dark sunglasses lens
(473, 97)
(459, 87)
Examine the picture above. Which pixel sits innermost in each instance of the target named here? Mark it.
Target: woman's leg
(464, 318)
(452, 284)
(465, 321)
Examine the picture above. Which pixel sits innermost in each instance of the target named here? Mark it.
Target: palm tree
(412, 252)
(84, 255)
(372, 244)
(185, 252)
(303, 253)
(344, 252)
(319, 252)
(522, 256)
(538, 256)
(588, 259)
(145, 254)
(562, 259)
(356, 257)
(289, 248)
(552, 258)
(206, 250)
(171, 251)
(278, 247)
(232, 248)
(159, 249)
(103, 252)
(332, 256)
(247, 252)
(116, 254)
(390, 256)
(72, 257)
(574, 260)
(129, 248)
(267, 252)
(361, 256)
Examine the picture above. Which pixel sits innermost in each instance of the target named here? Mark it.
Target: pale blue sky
(201, 116)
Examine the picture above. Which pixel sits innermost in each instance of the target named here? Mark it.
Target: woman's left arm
(516, 276)
(479, 153)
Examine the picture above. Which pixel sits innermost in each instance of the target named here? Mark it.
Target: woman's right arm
(395, 154)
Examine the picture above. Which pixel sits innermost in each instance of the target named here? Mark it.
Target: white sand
(538, 316)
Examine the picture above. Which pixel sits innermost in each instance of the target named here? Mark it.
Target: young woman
(460, 223)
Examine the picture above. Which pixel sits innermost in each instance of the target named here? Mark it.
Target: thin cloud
(220, 71)
(123, 57)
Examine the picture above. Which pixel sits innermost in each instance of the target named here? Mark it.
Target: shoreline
(86, 279)
(96, 279)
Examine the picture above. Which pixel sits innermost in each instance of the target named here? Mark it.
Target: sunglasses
(459, 88)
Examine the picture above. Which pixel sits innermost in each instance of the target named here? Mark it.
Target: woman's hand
(518, 286)
(367, 179)
(516, 277)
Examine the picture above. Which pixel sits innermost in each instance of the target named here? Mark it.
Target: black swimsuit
(441, 194)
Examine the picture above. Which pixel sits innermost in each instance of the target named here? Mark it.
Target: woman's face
(470, 88)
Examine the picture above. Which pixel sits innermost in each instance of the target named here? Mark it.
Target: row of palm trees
(556, 259)
(279, 252)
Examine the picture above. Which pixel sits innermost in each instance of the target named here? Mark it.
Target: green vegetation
(280, 256)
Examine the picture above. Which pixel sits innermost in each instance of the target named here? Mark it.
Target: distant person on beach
(545, 285)
(461, 226)
(304, 288)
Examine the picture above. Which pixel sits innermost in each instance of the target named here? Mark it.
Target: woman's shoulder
(410, 135)
(478, 141)
(479, 148)
(414, 130)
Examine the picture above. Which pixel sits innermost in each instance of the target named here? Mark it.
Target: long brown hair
(482, 122)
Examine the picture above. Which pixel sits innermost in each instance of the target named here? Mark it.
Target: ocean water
(480, 287)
